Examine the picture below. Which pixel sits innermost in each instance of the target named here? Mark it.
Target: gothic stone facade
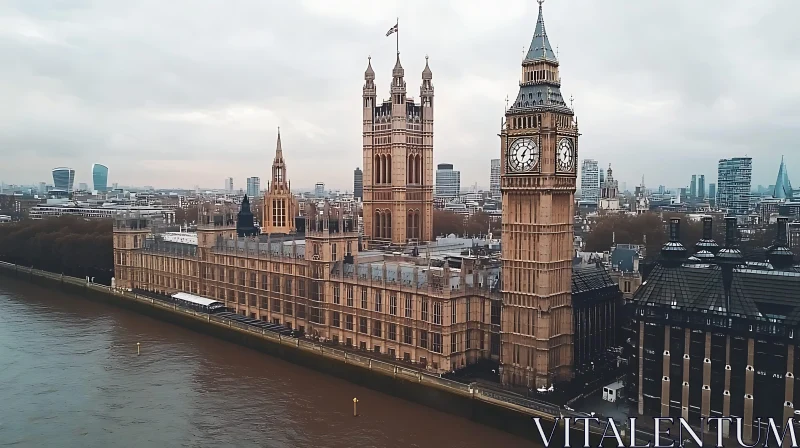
(538, 151)
(440, 318)
(398, 161)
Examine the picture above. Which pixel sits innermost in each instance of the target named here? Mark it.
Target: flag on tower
(392, 30)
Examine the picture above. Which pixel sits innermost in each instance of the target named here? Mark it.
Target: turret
(369, 94)
(426, 89)
(244, 220)
(398, 85)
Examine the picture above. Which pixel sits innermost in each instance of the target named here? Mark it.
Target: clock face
(566, 155)
(523, 155)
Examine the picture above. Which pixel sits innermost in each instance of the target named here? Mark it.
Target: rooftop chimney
(728, 258)
(673, 252)
(779, 254)
(706, 248)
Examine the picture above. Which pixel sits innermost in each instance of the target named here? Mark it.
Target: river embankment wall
(507, 413)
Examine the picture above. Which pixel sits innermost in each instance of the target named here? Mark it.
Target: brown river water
(70, 377)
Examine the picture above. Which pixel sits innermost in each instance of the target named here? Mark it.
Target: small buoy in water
(355, 408)
(137, 349)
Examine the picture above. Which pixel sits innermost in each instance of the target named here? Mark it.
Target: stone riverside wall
(508, 413)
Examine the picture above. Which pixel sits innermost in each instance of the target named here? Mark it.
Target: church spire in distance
(278, 148)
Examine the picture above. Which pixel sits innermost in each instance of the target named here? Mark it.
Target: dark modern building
(712, 334)
(596, 301)
(358, 184)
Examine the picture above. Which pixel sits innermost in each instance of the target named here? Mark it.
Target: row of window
(378, 304)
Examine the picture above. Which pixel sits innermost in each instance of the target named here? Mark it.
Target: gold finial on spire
(571, 99)
(506, 102)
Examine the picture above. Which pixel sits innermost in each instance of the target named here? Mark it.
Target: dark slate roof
(590, 278)
(540, 48)
(665, 286)
(541, 96)
(754, 292)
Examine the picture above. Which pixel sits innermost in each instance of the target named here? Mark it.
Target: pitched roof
(540, 48)
(590, 278)
(754, 292)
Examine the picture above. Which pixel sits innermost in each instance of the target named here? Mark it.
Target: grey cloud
(181, 93)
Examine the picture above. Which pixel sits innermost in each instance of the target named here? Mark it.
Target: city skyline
(220, 96)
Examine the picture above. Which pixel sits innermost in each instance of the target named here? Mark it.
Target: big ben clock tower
(539, 149)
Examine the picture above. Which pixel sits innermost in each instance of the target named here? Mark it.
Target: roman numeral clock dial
(566, 155)
(523, 155)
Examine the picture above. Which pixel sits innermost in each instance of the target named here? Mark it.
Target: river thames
(70, 377)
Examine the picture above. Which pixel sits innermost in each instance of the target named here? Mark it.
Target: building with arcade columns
(397, 293)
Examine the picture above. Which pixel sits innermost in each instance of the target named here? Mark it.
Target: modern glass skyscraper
(100, 177)
(712, 194)
(358, 184)
(64, 179)
(494, 180)
(693, 186)
(733, 184)
(448, 181)
(253, 186)
(591, 177)
(701, 187)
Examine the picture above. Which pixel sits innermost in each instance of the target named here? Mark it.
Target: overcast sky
(181, 93)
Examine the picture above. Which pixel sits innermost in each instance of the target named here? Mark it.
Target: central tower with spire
(398, 161)
(539, 149)
(280, 207)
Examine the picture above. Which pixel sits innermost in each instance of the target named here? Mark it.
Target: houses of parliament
(396, 290)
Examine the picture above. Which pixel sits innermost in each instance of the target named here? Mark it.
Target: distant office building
(319, 189)
(733, 181)
(701, 187)
(253, 186)
(712, 194)
(64, 179)
(494, 179)
(83, 186)
(590, 181)
(693, 186)
(448, 181)
(358, 183)
(42, 188)
(100, 177)
(229, 185)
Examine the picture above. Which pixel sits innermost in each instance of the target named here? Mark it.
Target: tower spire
(278, 148)
(540, 48)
